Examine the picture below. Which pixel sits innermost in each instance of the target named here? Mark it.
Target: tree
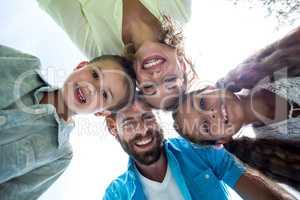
(285, 11)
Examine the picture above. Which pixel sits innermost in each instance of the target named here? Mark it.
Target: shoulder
(12, 59)
(182, 144)
(10, 53)
(119, 188)
(186, 150)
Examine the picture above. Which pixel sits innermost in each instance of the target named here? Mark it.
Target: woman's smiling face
(160, 73)
(210, 115)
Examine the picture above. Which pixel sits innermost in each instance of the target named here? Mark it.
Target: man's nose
(141, 129)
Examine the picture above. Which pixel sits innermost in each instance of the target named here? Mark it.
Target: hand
(278, 60)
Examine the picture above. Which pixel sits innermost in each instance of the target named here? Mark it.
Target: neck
(55, 98)
(155, 171)
(139, 24)
(142, 32)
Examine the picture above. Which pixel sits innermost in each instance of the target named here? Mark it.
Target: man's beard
(149, 157)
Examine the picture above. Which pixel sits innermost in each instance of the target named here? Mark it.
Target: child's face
(210, 115)
(95, 87)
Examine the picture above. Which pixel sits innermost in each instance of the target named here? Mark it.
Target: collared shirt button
(206, 176)
(2, 120)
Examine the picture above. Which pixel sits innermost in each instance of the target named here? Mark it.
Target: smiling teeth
(144, 141)
(153, 62)
(223, 110)
(81, 96)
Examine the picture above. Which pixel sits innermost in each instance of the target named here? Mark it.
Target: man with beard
(176, 169)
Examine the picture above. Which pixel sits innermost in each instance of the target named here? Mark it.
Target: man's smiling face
(139, 133)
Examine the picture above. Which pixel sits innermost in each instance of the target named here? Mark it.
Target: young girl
(35, 119)
(143, 28)
(214, 116)
(271, 106)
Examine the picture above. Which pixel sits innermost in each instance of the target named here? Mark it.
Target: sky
(219, 37)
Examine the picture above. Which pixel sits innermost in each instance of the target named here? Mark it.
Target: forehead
(136, 109)
(185, 104)
(191, 97)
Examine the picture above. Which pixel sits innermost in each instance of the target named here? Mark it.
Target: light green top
(34, 141)
(95, 26)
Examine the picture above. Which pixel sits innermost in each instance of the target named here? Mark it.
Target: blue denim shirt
(34, 141)
(200, 173)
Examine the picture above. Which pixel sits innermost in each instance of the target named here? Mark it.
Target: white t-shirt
(166, 190)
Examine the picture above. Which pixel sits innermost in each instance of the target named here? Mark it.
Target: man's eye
(129, 125)
(149, 118)
(95, 74)
(171, 79)
(202, 103)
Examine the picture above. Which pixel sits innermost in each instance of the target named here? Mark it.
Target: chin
(233, 130)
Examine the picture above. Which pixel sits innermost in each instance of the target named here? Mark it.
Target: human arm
(250, 184)
(282, 55)
(31, 185)
(253, 185)
(69, 15)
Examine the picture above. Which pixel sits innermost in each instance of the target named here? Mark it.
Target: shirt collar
(169, 149)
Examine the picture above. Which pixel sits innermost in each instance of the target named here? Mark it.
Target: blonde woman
(142, 28)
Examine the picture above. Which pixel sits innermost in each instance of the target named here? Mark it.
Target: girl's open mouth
(79, 95)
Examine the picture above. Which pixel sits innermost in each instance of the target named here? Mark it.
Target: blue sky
(216, 30)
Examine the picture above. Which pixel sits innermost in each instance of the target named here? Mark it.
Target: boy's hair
(126, 65)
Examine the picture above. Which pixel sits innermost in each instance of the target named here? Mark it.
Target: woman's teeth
(152, 62)
(144, 141)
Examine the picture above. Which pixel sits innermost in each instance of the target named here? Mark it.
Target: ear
(81, 64)
(111, 125)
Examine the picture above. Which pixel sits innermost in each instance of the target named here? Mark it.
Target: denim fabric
(200, 173)
(34, 141)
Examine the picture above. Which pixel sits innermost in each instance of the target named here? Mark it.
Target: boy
(35, 119)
